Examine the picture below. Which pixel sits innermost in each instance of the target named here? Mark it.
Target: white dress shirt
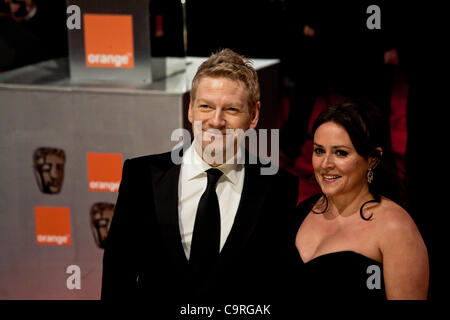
(191, 185)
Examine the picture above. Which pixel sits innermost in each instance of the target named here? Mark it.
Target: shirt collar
(196, 166)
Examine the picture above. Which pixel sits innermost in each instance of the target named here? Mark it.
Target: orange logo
(104, 171)
(53, 226)
(108, 40)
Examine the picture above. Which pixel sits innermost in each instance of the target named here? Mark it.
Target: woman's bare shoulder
(404, 253)
(395, 224)
(391, 216)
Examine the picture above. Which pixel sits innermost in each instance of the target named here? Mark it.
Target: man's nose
(218, 119)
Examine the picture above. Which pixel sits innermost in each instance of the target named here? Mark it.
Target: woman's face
(338, 168)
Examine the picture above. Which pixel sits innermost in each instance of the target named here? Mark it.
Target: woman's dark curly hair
(368, 131)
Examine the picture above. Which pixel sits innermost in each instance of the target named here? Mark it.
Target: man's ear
(190, 116)
(254, 115)
(374, 161)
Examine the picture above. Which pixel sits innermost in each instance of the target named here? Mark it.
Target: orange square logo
(53, 226)
(108, 40)
(104, 171)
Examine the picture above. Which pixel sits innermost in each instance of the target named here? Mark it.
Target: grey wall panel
(77, 122)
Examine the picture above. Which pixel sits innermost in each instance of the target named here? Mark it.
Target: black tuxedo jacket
(144, 256)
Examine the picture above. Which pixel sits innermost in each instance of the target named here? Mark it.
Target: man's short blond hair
(228, 64)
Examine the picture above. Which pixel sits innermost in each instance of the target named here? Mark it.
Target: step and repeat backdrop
(62, 154)
(62, 147)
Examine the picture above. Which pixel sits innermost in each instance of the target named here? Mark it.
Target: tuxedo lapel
(165, 188)
(249, 211)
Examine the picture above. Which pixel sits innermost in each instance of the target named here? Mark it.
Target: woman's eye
(341, 153)
(318, 151)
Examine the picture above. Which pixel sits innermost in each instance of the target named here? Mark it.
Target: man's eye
(204, 106)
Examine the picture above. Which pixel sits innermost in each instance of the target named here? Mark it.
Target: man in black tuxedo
(210, 229)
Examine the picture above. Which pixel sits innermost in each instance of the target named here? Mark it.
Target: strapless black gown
(339, 275)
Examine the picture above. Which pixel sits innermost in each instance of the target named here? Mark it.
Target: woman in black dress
(352, 240)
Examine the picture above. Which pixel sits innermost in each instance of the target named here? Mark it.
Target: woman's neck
(347, 204)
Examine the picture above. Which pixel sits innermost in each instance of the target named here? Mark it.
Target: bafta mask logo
(101, 216)
(48, 165)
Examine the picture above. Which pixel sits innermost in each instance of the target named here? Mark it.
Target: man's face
(221, 104)
(101, 216)
(49, 169)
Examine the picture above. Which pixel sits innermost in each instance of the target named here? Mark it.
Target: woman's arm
(405, 257)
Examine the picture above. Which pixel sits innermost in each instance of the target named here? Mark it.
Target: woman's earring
(370, 175)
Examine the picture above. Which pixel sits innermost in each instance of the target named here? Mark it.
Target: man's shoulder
(287, 180)
(160, 161)
(283, 173)
(275, 172)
